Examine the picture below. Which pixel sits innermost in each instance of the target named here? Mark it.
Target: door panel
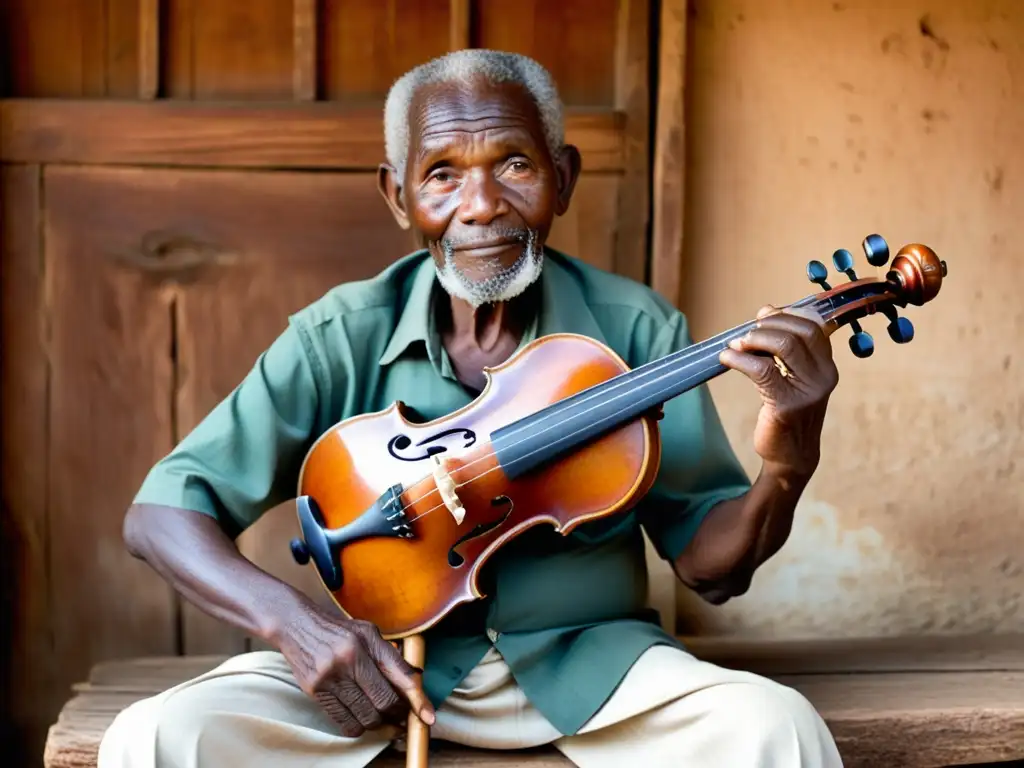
(111, 384)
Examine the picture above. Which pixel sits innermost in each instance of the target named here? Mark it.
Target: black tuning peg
(861, 343)
(876, 250)
(901, 330)
(842, 260)
(817, 273)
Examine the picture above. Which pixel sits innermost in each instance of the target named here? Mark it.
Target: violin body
(406, 583)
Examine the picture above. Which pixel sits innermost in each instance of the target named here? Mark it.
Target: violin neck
(564, 426)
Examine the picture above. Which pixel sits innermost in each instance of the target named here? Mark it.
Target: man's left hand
(789, 359)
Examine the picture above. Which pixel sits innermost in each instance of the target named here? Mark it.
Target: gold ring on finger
(783, 368)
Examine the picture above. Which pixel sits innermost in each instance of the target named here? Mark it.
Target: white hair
(464, 67)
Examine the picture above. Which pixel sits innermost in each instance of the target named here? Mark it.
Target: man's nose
(482, 199)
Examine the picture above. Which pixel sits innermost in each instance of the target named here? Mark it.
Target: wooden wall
(178, 176)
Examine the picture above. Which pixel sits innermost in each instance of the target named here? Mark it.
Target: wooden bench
(902, 703)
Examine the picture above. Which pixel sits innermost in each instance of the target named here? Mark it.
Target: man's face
(480, 187)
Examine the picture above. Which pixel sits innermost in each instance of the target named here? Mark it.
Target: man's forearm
(202, 563)
(739, 535)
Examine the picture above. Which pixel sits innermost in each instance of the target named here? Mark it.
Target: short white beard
(506, 283)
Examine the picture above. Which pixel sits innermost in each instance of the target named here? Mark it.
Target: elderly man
(563, 650)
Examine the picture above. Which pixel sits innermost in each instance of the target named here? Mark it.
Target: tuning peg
(861, 343)
(817, 273)
(901, 330)
(876, 250)
(842, 260)
(300, 552)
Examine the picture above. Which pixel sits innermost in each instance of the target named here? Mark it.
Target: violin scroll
(914, 277)
(919, 272)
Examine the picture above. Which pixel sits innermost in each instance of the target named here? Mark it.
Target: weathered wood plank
(109, 422)
(27, 691)
(276, 242)
(670, 153)
(459, 24)
(305, 23)
(234, 50)
(367, 45)
(574, 39)
(632, 51)
(69, 48)
(940, 653)
(125, 38)
(177, 44)
(149, 48)
(44, 49)
(313, 135)
(587, 230)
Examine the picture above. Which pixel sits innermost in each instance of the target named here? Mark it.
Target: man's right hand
(359, 678)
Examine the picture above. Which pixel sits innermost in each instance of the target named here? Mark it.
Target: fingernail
(736, 344)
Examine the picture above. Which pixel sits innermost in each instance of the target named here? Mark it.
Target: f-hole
(455, 560)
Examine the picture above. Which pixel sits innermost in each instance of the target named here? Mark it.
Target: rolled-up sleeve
(244, 457)
(699, 468)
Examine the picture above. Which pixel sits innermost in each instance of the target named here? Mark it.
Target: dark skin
(478, 166)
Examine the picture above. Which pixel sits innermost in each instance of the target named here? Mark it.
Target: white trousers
(670, 711)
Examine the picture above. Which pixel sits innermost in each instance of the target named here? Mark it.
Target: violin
(399, 518)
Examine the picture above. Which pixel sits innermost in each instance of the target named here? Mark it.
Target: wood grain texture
(940, 653)
(321, 136)
(27, 672)
(304, 49)
(277, 242)
(574, 39)
(366, 46)
(109, 422)
(149, 48)
(224, 49)
(587, 229)
(459, 24)
(906, 719)
(70, 48)
(670, 152)
(237, 253)
(631, 98)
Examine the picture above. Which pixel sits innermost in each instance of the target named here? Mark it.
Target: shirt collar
(564, 309)
(416, 322)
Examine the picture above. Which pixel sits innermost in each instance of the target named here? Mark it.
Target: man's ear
(567, 167)
(390, 187)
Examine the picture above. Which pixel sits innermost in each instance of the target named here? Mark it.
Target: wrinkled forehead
(440, 113)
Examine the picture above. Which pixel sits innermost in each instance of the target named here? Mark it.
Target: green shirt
(569, 614)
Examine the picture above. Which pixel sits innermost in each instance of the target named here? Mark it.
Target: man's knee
(209, 720)
(776, 724)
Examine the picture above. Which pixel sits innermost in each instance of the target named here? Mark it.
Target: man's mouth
(488, 248)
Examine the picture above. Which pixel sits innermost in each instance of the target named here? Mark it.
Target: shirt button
(492, 634)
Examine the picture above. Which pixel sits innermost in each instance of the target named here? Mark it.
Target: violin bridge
(446, 487)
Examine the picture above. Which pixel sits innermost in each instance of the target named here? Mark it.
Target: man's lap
(252, 705)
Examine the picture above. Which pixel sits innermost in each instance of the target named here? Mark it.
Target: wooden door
(177, 177)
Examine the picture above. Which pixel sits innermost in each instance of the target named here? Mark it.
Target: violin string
(658, 365)
(669, 360)
(489, 454)
(690, 351)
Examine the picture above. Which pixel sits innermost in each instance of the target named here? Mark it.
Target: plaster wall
(811, 124)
